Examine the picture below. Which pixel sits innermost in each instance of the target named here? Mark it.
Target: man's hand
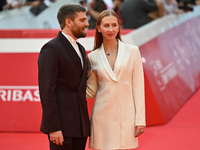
(139, 130)
(56, 137)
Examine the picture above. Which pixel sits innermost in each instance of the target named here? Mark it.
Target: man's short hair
(68, 12)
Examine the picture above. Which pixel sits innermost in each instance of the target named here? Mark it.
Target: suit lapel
(84, 74)
(106, 64)
(120, 56)
(119, 59)
(83, 54)
(71, 52)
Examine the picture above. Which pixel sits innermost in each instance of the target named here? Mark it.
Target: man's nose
(86, 24)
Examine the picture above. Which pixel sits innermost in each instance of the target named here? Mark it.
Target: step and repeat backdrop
(170, 48)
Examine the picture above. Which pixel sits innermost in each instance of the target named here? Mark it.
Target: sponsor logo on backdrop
(163, 74)
(19, 94)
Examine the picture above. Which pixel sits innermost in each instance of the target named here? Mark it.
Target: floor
(181, 133)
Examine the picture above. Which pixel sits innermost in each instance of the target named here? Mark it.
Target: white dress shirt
(74, 44)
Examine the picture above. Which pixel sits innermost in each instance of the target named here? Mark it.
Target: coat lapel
(120, 56)
(84, 73)
(82, 50)
(71, 52)
(104, 60)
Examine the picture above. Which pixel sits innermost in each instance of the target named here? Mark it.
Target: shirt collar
(71, 40)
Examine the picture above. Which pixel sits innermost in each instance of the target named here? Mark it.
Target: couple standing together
(112, 73)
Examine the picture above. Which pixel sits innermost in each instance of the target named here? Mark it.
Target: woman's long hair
(98, 36)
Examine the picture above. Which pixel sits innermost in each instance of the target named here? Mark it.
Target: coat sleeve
(92, 82)
(47, 77)
(138, 89)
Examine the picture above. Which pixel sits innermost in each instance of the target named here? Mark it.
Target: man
(135, 13)
(94, 9)
(62, 82)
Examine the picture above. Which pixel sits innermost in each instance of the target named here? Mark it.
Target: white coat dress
(119, 104)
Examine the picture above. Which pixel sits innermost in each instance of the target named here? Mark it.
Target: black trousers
(70, 144)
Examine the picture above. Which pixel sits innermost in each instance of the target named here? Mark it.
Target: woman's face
(109, 27)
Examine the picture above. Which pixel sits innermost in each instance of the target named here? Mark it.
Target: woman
(116, 79)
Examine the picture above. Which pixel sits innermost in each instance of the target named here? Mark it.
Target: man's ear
(68, 22)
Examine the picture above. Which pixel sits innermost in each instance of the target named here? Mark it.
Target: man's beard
(78, 32)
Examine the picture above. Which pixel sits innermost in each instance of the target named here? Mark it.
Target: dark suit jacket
(62, 86)
(134, 13)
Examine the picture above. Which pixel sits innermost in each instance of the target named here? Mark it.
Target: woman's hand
(139, 130)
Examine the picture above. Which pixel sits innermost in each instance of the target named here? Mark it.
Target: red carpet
(181, 133)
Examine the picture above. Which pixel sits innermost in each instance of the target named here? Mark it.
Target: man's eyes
(83, 20)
